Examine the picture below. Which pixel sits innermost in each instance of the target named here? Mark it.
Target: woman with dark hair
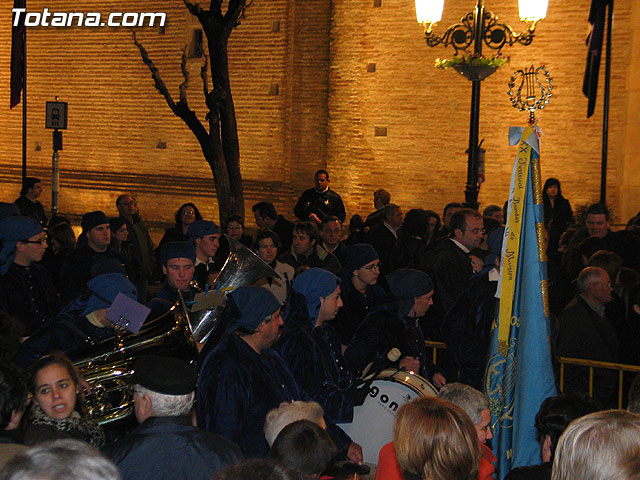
(57, 410)
(411, 250)
(120, 243)
(434, 223)
(62, 243)
(557, 212)
(267, 247)
(233, 227)
(184, 216)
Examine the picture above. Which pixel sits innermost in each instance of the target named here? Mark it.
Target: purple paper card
(127, 313)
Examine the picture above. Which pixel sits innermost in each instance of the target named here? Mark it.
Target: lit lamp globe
(429, 12)
(532, 10)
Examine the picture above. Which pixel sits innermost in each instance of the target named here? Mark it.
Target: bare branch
(194, 9)
(180, 109)
(155, 74)
(185, 73)
(204, 75)
(235, 13)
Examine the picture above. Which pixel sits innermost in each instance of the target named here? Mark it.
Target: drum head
(372, 425)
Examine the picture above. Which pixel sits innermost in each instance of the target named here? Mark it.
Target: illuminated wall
(312, 81)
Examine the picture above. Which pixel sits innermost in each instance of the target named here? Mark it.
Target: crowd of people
(290, 349)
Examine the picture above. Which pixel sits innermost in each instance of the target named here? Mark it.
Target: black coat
(452, 271)
(170, 448)
(323, 204)
(466, 329)
(380, 332)
(582, 333)
(380, 238)
(28, 294)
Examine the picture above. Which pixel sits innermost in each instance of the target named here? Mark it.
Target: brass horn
(109, 368)
(243, 267)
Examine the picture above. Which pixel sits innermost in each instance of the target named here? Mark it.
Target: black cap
(165, 375)
(93, 219)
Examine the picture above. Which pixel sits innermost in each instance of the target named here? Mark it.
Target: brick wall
(422, 159)
(304, 100)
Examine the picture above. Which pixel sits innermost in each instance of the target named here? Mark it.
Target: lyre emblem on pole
(537, 89)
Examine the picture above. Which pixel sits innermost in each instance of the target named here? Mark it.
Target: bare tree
(220, 143)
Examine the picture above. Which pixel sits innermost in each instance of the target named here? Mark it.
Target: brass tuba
(109, 368)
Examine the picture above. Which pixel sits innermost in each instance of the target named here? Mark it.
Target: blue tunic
(315, 358)
(237, 388)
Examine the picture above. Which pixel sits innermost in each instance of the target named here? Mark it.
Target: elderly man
(331, 235)
(67, 458)
(306, 252)
(613, 435)
(90, 258)
(289, 412)
(397, 328)
(381, 198)
(585, 332)
(311, 348)
(140, 241)
(476, 404)
(26, 288)
(164, 394)
(243, 378)
(319, 202)
(205, 237)
(177, 260)
(359, 292)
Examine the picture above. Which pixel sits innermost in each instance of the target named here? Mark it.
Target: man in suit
(384, 236)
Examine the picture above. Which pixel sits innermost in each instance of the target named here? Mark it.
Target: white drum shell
(372, 425)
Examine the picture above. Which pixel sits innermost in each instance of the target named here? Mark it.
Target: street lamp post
(475, 29)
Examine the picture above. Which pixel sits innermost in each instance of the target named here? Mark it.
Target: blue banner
(519, 372)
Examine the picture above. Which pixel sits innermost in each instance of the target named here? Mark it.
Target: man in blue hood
(311, 347)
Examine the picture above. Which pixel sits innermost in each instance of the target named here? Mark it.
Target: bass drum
(372, 425)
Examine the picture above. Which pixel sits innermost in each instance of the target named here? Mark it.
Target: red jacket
(388, 468)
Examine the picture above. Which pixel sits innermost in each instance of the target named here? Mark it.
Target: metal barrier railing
(591, 364)
(621, 368)
(435, 346)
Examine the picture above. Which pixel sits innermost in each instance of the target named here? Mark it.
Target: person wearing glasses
(26, 288)
(453, 266)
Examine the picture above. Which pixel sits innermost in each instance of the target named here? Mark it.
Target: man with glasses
(26, 288)
(453, 266)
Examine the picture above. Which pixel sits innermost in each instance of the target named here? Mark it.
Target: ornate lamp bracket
(494, 34)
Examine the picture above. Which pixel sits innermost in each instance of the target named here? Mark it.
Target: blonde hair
(436, 440)
(599, 446)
